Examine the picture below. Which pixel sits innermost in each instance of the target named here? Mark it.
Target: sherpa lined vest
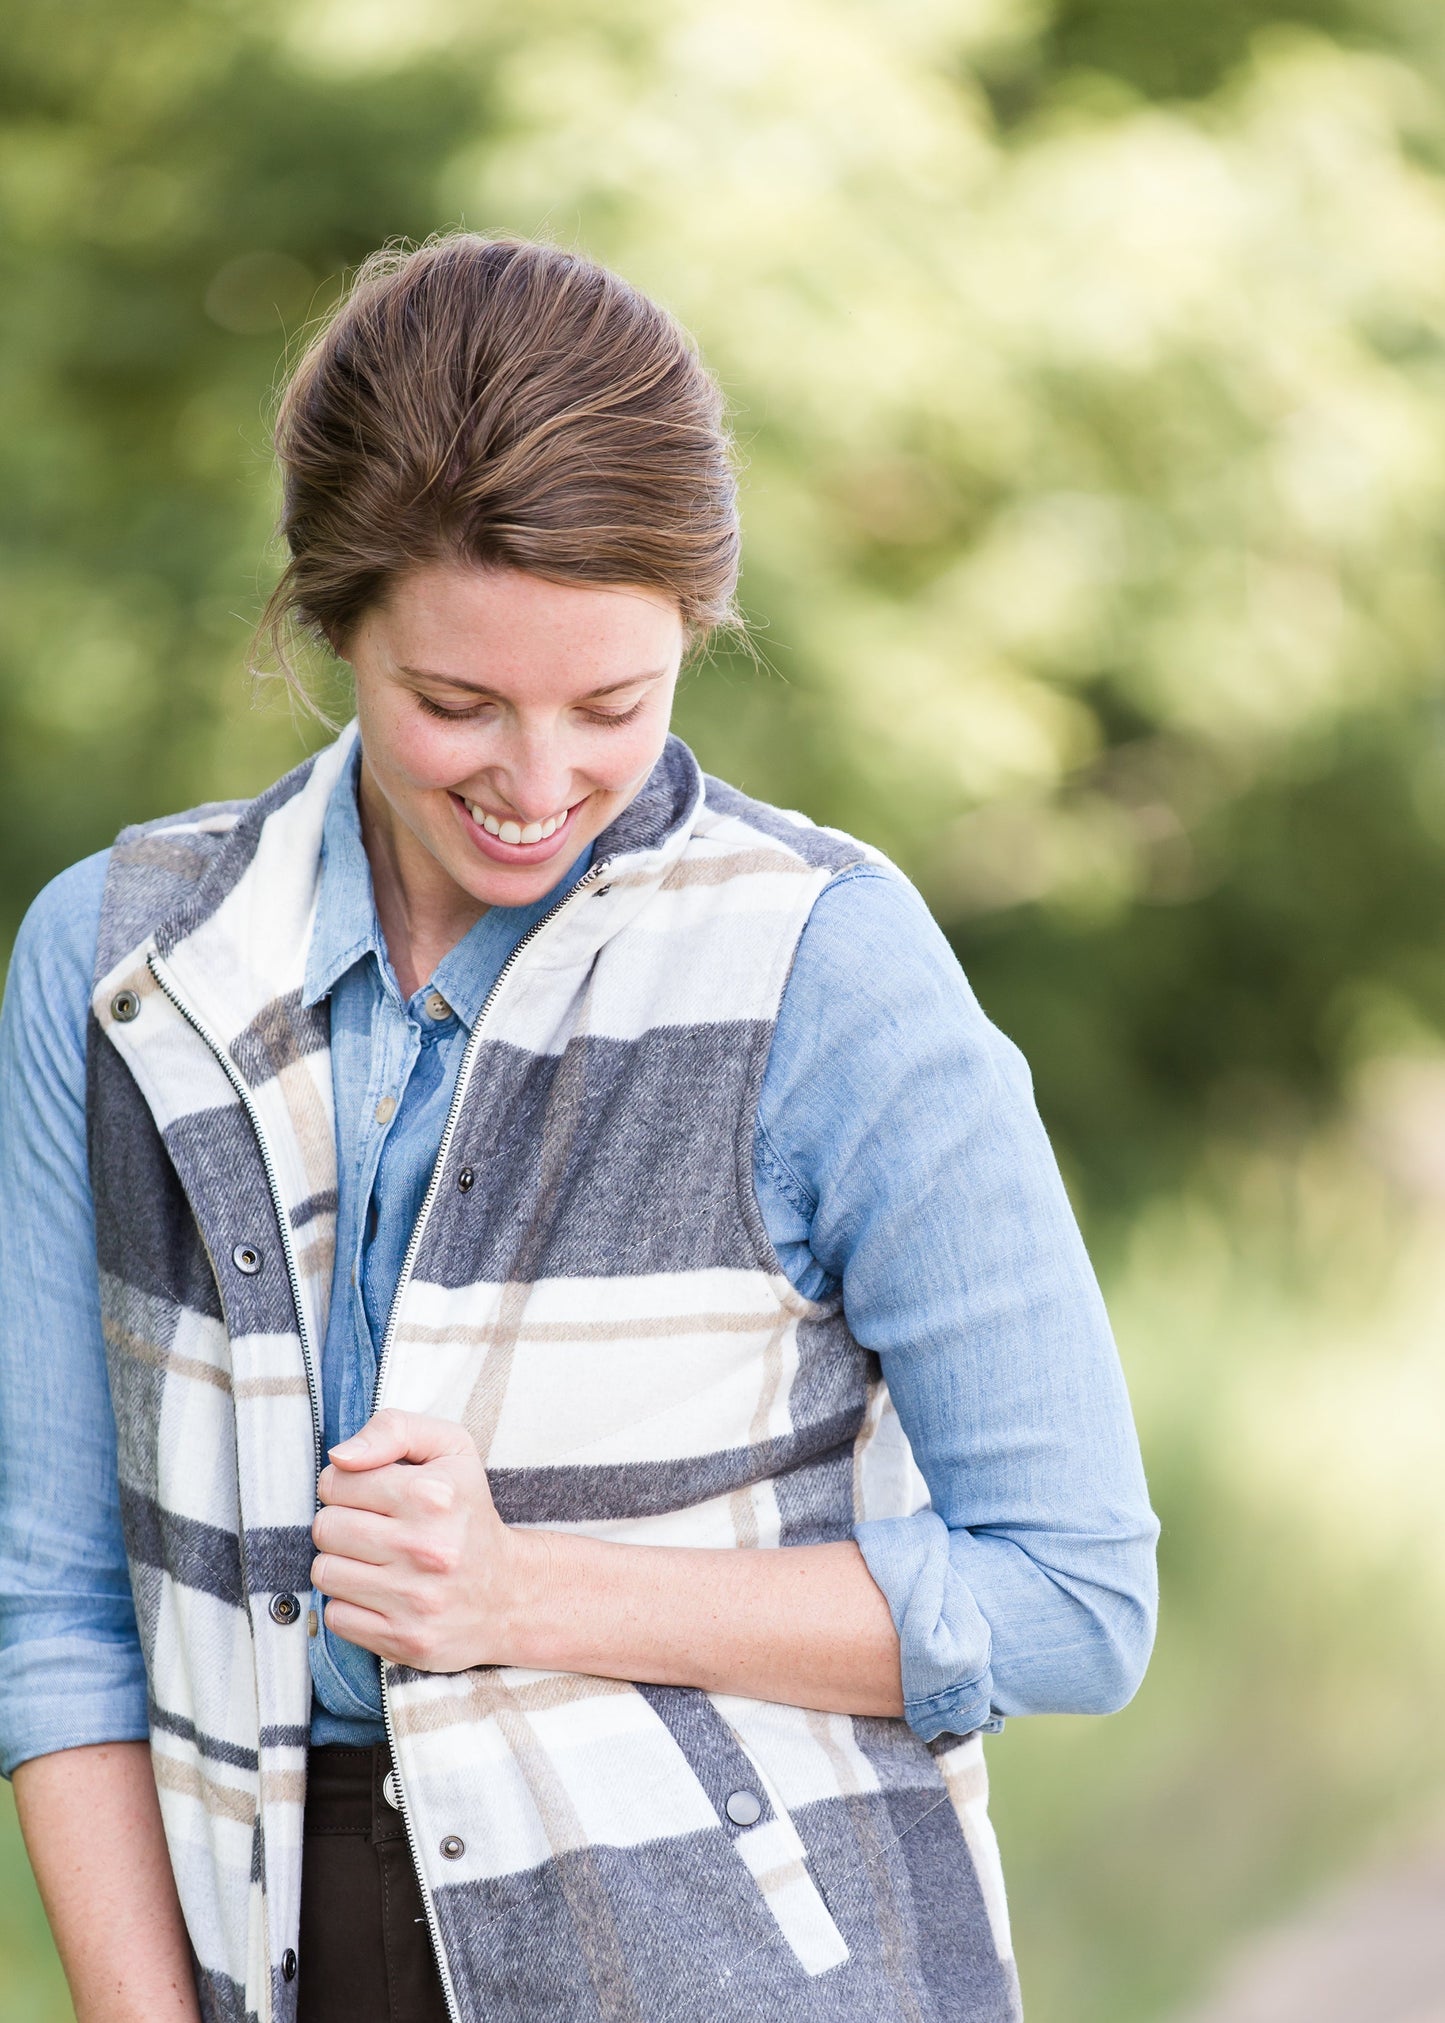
(590, 1290)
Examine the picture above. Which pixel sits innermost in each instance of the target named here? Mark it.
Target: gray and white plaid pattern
(601, 1307)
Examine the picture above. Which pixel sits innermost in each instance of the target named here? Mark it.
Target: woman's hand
(421, 1570)
(418, 1566)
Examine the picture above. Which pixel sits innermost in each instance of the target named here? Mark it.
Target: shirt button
(247, 1258)
(744, 1808)
(437, 1007)
(288, 1965)
(285, 1610)
(313, 1622)
(386, 1110)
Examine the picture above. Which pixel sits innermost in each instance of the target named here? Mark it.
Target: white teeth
(516, 832)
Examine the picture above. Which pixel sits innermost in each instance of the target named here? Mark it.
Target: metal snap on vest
(744, 1808)
(602, 892)
(388, 1791)
(288, 1965)
(124, 1006)
(246, 1258)
(453, 1847)
(465, 1178)
(285, 1610)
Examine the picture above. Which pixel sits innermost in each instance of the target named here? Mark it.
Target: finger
(355, 1534)
(401, 1436)
(400, 1490)
(362, 1626)
(354, 1580)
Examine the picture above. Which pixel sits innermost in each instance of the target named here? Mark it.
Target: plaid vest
(590, 1290)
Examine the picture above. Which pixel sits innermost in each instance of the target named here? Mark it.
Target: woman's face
(505, 721)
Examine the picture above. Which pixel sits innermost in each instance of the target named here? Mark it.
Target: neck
(423, 912)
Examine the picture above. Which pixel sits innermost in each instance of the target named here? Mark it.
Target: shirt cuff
(68, 1692)
(943, 1639)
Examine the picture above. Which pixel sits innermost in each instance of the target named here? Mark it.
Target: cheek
(628, 756)
(405, 746)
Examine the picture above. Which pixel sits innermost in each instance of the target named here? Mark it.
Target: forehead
(501, 628)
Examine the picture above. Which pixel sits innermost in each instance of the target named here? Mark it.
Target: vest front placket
(181, 1063)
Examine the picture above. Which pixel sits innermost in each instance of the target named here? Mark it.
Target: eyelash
(608, 717)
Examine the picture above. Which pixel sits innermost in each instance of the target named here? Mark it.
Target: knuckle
(437, 1493)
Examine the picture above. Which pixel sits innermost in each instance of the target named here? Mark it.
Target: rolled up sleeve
(71, 1670)
(901, 1157)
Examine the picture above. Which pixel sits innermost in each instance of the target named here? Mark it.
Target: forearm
(805, 1625)
(92, 1827)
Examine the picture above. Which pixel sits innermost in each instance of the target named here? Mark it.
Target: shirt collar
(346, 929)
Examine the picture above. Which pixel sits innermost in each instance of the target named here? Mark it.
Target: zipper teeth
(593, 872)
(288, 1250)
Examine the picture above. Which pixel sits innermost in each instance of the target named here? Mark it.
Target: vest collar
(239, 945)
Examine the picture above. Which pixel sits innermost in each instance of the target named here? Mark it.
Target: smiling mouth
(508, 830)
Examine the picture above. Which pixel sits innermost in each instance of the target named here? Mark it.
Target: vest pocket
(777, 1860)
(753, 1815)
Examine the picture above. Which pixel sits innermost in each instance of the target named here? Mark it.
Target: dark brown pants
(365, 1953)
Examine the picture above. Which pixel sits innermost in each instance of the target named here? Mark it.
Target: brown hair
(499, 402)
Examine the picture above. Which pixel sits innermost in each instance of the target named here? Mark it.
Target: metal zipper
(288, 1250)
(594, 872)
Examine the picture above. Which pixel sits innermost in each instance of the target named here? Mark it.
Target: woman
(453, 1203)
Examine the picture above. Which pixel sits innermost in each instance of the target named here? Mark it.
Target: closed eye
(451, 715)
(614, 716)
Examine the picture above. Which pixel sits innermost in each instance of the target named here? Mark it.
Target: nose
(531, 777)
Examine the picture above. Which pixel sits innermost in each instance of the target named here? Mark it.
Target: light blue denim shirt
(898, 1154)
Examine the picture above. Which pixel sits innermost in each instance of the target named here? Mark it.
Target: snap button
(388, 1791)
(285, 1610)
(453, 1847)
(246, 1258)
(288, 1965)
(124, 1006)
(437, 1007)
(602, 892)
(465, 1178)
(744, 1808)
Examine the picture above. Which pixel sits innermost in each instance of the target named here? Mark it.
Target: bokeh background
(1088, 362)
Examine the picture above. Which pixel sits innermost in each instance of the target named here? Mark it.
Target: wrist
(527, 1630)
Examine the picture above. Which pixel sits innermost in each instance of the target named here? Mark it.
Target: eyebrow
(480, 688)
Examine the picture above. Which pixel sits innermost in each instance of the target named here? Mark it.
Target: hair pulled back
(508, 404)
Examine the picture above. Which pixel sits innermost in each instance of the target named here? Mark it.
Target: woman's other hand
(417, 1564)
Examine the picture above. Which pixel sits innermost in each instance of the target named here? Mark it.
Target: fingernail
(349, 1449)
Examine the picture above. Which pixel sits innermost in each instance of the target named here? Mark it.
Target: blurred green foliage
(1088, 363)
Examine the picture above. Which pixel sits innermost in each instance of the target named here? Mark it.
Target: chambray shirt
(898, 1155)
